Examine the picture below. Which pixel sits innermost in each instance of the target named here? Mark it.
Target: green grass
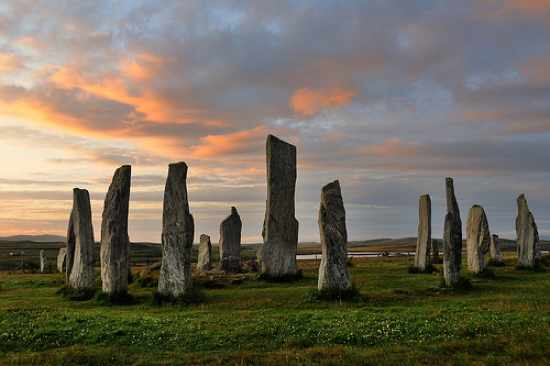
(400, 319)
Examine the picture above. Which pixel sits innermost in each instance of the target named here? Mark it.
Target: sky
(388, 96)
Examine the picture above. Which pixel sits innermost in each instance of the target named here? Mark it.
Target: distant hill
(34, 238)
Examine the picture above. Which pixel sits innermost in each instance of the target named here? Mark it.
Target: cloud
(232, 143)
(308, 102)
(9, 62)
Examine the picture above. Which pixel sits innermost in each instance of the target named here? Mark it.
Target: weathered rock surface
(478, 239)
(527, 234)
(80, 242)
(496, 255)
(230, 242)
(204, 262)
(43, 262)
(114, 234)
(280, 230)
(333, 271)
(422, 259)
(178, 231)
(61, 259)
(452, 238)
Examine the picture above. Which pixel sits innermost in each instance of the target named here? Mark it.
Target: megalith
(230, 242)
(178, 231)
(422, 259)
(280, 229)
(204, 262)
(478, 239)
(333, 271)
(527, 234)
(114, 234)
(43, 262)
(452, 238)
(81, 239)
(496, 254)
(61, 259)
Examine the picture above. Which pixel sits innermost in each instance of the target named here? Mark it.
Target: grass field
(402, 319)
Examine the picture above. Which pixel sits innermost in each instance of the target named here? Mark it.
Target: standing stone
(424, 240)
(178, 230)
(280, 230)
(43, 262)
(61, 260)
(478, 239)
(80, 242)
(230, 242)
(204, 262)
(496, 255)
(114, 234)
(71, 241)
(333, 271)
(527, 234)
(452, 238)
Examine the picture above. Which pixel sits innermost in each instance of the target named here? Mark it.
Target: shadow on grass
(121, 298)
(282, 279)
(485, 274)
(415, 270)
(536, 268)
(76, 294)
(192, 296)
(463, 285)
(349, 295)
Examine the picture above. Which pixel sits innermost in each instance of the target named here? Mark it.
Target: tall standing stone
(178, 231)
(452, 238)
(280, 230)
(333, 271)
(43, 261)
(527, 234)
(61, 259)
(478, 239)
(114, 234)
(422, 259)
(496, 254)
(230, 242)
(80, 240)
(204, 262)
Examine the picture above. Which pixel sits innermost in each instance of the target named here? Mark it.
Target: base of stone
(285, 278)
(494, 263)
(463, 284)
(486, 273)
(74, 294)
(121, 298)
(194, 295)
(352, 294)
(428, 270)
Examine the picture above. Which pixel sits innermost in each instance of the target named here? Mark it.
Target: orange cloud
(498, 9)
(309, 102)
(391, 148)
(141, 67)
(9, 62)
(113, 88)
(537, 70)
(531, 7)
(219, 145)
